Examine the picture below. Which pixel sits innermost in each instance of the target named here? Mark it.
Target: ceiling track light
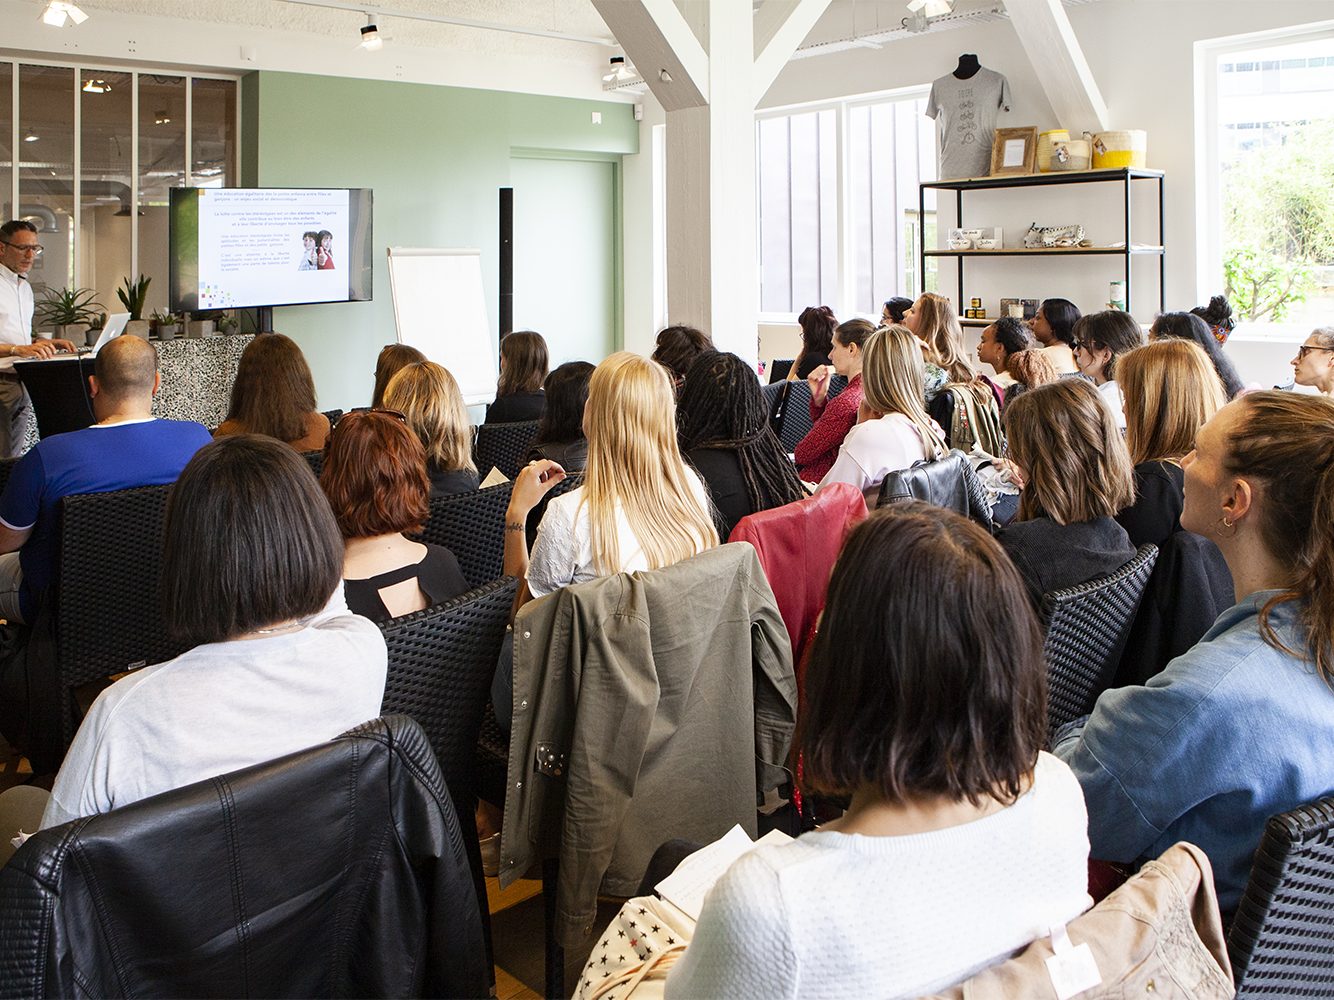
(932, 8)
(370, 35)
(61, 14)
(620, 71)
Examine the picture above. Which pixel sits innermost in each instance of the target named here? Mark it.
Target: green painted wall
(435, 157)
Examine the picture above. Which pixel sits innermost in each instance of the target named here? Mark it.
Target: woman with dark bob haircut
(274, 394)
(523, 368)
(560, 435)
(375, 478)
(678, 347)
(251, 565)
(926, 703)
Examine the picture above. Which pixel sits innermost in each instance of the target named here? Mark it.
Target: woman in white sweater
(926, 703)
(893, 429)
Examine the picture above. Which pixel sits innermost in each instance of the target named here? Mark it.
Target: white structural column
(1045, 32)
(718, 65)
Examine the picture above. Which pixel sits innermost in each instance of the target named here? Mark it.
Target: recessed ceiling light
(161, 118)
(30, 136)
(60, 14)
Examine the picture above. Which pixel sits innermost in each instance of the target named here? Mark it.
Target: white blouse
(1111, 392)
(875, 448)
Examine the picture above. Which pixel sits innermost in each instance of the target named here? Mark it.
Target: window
(848, 245)
(1269, 181)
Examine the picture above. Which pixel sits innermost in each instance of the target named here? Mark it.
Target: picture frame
(1014, 151)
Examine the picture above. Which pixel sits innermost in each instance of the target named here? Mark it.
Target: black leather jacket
(335, 871)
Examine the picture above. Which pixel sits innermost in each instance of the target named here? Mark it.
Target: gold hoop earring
(1227, 523)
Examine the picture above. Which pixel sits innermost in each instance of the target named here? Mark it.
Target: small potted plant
(95, 327)
(228, 323)
(68, 308)
(165, 325)
(132, 295)
(199, 325)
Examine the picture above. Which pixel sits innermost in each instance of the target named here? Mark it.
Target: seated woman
(964, 403)
(523, 367)
(1187, 326)
(640, 505)
(1239, 727)
(894, 430)
(274, 394)
(817, 338)
(1075, 474)
(1314, 363)
(677, 348)
(1054, 327)
(894, 311)
(393, 357)
(375, 478)
(833, 418)
(1101, 338)
(560, 435)
(1029, 369)
(427, 395)
(1218, 316)
(933, 320)
(1171, 391)
(726, 436)
(962, 835)
(1001, 341)
(278, 664)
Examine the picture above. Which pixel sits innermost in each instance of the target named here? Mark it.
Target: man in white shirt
(19, 247)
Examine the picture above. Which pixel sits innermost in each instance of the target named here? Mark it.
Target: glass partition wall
(89, 154)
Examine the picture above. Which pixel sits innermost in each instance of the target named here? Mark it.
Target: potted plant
(132, 295)
(95, 327)
(228, 323)
(68, 308)
(200, 325)
(165, 325)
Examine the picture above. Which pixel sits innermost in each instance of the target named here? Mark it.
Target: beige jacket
(647, 706)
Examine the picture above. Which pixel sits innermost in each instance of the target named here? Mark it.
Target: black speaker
(506, 260)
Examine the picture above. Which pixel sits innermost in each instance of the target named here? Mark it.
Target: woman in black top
(677, 348)
(375, 478)
(817, 339)
(725, 434)
(523, 367)
(560, 435)
(427, 395)
(1187, 326)
(1075, 474)
(1171, 390)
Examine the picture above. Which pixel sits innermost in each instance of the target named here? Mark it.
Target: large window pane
(6, 131)
(213, 146)
(161, 168)
(46, 170)
(105, 199)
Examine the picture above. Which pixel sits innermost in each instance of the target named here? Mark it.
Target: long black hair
(566, 390)
(721, 407)
(1188, 326)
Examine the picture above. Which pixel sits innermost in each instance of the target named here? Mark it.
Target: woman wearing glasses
(1314, 363)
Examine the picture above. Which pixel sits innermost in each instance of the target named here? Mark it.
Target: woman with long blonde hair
(893, 430)
(1171, 390)
(427, 395)
(933, 320)
(640, 506)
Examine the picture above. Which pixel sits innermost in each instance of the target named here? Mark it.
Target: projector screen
(238, 248)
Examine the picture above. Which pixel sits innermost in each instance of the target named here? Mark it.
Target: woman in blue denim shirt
(1242, 726)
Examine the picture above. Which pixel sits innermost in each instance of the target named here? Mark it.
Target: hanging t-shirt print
(965, 112)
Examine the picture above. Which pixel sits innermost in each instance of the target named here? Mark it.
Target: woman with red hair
(375, 478)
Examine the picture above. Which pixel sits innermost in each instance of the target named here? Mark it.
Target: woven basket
(1077, 153)
(1113, 150)
(1047, 145)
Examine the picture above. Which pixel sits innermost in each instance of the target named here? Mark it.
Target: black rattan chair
(503, 446)
(472, 526)
(1281, 941)
(1086, 630)
(334, 416)
(316, 461)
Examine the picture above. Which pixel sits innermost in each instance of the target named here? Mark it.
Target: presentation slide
(272, 245)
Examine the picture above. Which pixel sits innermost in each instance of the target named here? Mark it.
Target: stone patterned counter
(197, 377)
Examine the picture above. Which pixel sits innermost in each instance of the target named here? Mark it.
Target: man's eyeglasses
(32, 248)
(1307, 348)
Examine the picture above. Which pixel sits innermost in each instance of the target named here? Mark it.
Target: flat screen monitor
(239, 248)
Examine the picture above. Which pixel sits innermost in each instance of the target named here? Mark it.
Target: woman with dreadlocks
(725, 434)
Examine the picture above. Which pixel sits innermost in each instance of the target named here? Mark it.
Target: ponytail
(1287, 442)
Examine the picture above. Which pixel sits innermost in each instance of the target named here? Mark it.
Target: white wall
(637, 237)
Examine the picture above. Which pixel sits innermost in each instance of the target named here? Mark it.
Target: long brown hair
(1286, 440)
(393, 357)
(1065, 438)
(524, 354)
(274, 392)
(1170, 390)
(938, 327)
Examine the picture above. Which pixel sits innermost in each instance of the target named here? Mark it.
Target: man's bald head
(126, 369)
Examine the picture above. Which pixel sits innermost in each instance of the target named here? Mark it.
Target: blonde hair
(1170, 389)
(938, 327)
(428, 396)
(892, 381)
(1066, 439)
(634, 463)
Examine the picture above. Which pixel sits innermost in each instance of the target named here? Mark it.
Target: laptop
(116, 323)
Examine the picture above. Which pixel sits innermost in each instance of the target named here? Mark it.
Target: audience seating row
(503, 446)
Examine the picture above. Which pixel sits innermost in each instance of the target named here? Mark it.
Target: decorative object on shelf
(975, 313)
(980, 239)
(197, 328)
(987, 244)
(165, 325)
(1115, 149)
(1018, 308)
(228, 323)
(1116, 296)
(960, 243)
(1014, 151)
(965, 105)
(1073, 154)
(67, 308)
(132, 295)
(1047, 143)
(977, 303)
(95, 327)
(1046, 237)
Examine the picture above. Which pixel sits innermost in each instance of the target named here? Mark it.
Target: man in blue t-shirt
(126, 447)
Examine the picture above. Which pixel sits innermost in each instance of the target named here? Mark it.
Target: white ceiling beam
(1059, 63)
(656, 37)
(780, 26)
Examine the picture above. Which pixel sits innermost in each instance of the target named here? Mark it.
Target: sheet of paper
(1014, 153)
(686, 887)
(494, 478)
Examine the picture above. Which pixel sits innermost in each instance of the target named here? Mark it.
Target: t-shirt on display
(965, 112)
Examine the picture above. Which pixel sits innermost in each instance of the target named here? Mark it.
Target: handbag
(632, 957)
